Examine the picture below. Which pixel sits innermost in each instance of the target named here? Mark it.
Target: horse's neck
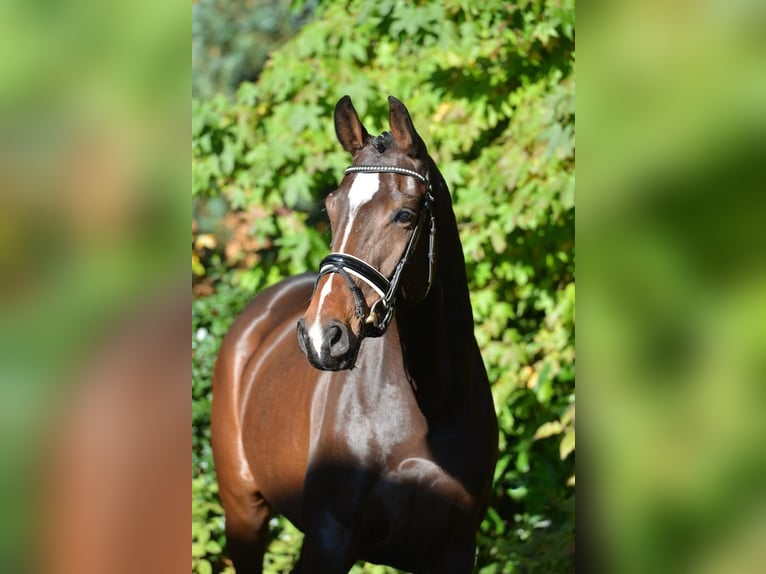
(437, 334)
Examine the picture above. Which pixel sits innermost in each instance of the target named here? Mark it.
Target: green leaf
(567, 444)
(548, 429)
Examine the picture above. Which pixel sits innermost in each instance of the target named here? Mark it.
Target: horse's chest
(412, 512)
(420, 492)
(376, 427)
(384, 477)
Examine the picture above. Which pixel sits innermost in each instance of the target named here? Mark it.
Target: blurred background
(671, 203)
(94, 215)
(490, 88)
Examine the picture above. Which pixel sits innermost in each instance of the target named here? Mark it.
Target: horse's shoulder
(284, 298)
(276, 305)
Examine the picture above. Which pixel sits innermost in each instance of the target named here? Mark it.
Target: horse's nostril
(334, 335)
(337, 340)
(302, 335)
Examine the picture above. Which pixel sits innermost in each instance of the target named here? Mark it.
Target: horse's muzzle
(334, 347)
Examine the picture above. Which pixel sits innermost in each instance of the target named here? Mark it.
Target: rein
(382, 311)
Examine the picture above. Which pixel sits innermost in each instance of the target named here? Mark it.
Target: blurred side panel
(94, 215)
(672, 274)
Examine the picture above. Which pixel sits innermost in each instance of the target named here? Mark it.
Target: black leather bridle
(375, 323)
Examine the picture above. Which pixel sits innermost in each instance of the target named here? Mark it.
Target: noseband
(375, 323)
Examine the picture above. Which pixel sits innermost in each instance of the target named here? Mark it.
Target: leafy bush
(231, 40)
(491, 90)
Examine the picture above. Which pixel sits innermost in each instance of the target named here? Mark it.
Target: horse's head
(378, 254)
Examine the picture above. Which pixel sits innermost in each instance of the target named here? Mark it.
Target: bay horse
(374, 430)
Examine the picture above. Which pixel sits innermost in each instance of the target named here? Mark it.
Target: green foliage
(490, 87)
(231, 40)
(207, 526)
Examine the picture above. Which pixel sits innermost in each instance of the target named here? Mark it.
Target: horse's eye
(404, 216)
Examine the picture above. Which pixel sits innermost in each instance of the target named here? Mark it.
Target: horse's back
(261, 384)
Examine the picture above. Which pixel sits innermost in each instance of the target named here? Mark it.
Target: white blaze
(315, 332)
(363, 189)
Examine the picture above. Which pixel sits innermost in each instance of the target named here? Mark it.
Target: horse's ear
(349, 129)
(405, 136)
